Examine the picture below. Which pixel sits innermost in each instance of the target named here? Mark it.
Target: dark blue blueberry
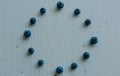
(87, 22)
(33, 20)
(27, 33)
(59, 70)
(42, 10)
(77, 11)
(60, 4)
(86, 55)
(31, 50)
(40, 62)
(74, 65)
(94, 40)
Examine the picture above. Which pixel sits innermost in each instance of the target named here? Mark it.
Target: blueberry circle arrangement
(74, 65)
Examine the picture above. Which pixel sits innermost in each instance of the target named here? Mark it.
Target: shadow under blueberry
(30, 25)
(85, 25)
(57, 9)
(38, 66)
(90, 44)
(24, 38)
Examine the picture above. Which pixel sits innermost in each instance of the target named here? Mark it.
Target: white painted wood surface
(59, 38)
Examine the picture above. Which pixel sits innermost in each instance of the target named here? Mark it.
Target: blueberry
(42, 10)
(32, 20)
(40, 62)
(94, 40)
(27, 33)
(59, 70)
(86, 55)
(77, 11)
(74, 65)
(60, 4)
(87, 22)
(31, 50)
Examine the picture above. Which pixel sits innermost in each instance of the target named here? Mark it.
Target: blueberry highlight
(27, 33)
(42, 10)
(33, 20)
(74, 65)
(86, 55)
(77, 11)
(94, 40)
(60, 4)
(40, 62)
(31, 50)
(87, 22)
(59, 70)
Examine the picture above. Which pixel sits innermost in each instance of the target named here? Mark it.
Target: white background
(59, 38)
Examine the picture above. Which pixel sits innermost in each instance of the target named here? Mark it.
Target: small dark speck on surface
(16, 46)
(52, 50)
(85, 70)
(6, 59)
(106, 22)
(58, 37)
(98, 26)
(83, 45)
(55, 75)
(21, 72)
